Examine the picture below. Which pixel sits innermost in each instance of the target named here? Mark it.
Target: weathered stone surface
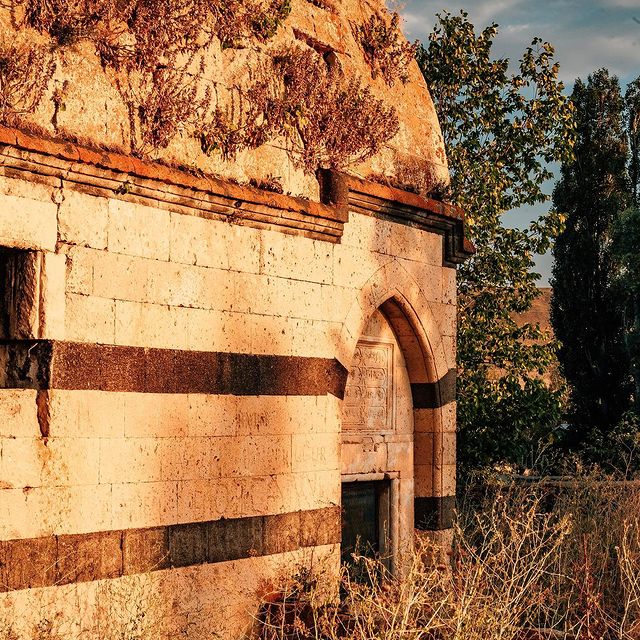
(94, 110)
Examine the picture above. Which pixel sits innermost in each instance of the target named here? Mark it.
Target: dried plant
(328, 119)
(530, 562)
(161, 104)
(385, 49)
(270, 183)
(25, 72)
(67, 21)
(331, 120)
(414, 174)
(327, 5)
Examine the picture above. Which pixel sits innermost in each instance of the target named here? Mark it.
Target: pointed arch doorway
(377, 454)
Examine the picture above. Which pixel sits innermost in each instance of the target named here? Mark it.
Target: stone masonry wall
(171, 383)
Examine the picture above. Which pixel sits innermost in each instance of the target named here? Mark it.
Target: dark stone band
(433, 395)
(434, 514)
(50, 364)
(67, 559)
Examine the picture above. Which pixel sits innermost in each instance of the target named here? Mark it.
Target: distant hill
(540, 311)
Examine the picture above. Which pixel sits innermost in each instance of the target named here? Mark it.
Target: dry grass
(533, 562)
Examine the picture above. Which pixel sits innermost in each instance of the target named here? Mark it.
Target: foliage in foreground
(542, 561)
(501, 130)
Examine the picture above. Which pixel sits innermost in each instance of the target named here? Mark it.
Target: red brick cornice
(126, 177)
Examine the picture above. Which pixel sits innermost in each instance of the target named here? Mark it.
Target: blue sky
(586, 34)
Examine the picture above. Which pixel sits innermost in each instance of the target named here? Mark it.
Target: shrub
(545, 560)
(25, 72)
(385, 49)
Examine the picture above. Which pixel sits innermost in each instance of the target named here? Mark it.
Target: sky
(586, 34)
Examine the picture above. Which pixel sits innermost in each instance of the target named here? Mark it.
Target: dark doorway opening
(365, 521)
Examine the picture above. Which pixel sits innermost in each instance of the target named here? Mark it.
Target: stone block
(449, 286)
(142, 505)
(446, 318)
(27, 564)
(448, 417)
(367, 233)
(426, 420)
(186, 458)
(188, 544)
(281, 533)
(449, 480)
(130, 460)
(80, 264)
(200, 241)
(145, 550)
(156, 415)
(364, 457)
(247, 246)
(449, 448)
(234, 539)
(86, 414)
(77, 509)
(320, 527)
(83, 219)
(260, 455)
(208, 330)
(71, 461)
(21, 462)
(201, 500)
(18, 413)
(82, 558)
(415, 244)
(89, 319)
(400, 457)
(52, 296)
(425, 452)
(262, 495)
(138, 230)
(352, 268)
(428, 278)
(296, 257)
(121, 277)
(211, 415)
(315, 452)
(149, 325)
(423, 480)
(263, 415)
(26, 223)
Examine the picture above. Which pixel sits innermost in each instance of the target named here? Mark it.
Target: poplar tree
(587, 305)
(501, 130)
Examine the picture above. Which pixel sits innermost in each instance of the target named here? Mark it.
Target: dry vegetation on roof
(25, 72)
(387, 52)
(153, 53)
(328, 119)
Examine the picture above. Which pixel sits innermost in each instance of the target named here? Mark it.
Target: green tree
(501, 130)
(632, 108)
(626, 249)
(587, 305)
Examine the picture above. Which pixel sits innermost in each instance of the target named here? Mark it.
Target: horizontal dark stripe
(432, 395)
(434, 514)
(47, 364)
(67, 559)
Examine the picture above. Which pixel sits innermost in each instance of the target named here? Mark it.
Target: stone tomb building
(206, 384)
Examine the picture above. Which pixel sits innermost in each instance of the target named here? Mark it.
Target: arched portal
(398, 435)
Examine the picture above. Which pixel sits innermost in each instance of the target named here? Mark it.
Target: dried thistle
(161, 104)
(25, 72)
(385, 49)
(333, 120)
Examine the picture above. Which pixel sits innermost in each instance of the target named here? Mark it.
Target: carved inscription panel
(368, 401)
